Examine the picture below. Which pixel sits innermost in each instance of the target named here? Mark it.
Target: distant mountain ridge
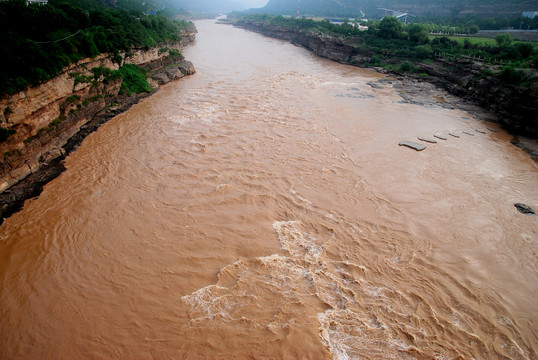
(373, 8)
(208, 6)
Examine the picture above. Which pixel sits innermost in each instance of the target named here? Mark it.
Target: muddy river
(262, 208)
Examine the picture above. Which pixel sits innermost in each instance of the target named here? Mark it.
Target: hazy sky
(253, 3)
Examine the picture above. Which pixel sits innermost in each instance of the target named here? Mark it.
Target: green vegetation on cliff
(134, 79)
(389, 40)
(501, 76)
(38, 41)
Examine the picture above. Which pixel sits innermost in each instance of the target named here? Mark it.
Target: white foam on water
(249, 284)
(348, 336)
(299, 245)
(336, 348)
(374, 291)
(210, 301)
(200, 111)
(182, 120)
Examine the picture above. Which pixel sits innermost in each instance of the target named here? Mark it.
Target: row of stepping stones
(522, 208)
(420, 147)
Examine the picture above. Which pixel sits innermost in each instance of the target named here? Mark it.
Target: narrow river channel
(262, 208)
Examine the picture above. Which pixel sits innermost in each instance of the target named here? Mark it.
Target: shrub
(406, 66)
(174, 52)
(504, 39)
(71, 99)
(134, 79)
(524, 49)
(423, 51)
(511, 75)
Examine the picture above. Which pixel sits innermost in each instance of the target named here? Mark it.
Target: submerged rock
(524, 209)
(412, 145)
(427, 140)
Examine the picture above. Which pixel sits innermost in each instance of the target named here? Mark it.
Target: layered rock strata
(51, 119)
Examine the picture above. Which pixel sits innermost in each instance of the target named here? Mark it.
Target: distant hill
(213, 7)
(353, 8)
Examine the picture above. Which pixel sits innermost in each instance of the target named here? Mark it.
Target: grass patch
(55, 122)
(174, 52)
(134, 79)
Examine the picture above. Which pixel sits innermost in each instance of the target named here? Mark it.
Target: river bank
(31, 163)
(465, 78)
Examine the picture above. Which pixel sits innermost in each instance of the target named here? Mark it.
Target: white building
(530, 14)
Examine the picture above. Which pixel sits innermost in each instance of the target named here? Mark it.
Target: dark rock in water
(440, 137)
(427, 140)
(524, 209)
(374, 85)
(412, 145)
(518, 144)
(355, 96)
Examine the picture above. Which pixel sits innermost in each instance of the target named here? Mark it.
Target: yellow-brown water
(263, 208)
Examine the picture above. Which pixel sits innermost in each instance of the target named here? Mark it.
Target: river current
(262, 208)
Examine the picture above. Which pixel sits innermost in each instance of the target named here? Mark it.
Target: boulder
(187, 68)
(160, 77)
(174, 73)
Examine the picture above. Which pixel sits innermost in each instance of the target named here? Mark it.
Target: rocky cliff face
(44, 118)
(326, 46)
(465, 78)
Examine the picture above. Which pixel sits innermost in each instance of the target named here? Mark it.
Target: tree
(390, 28)
(418, 34)
(504, 40)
